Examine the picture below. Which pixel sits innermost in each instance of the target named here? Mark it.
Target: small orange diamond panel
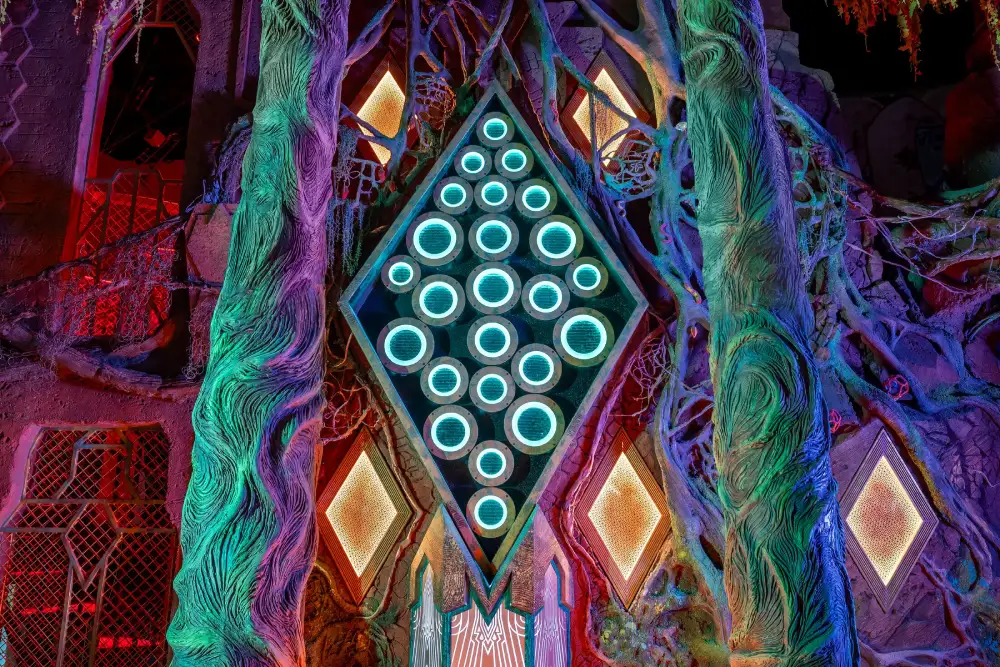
(380, 105)
(625, 518)
(610, 124)
(362, 513)
(888, 518)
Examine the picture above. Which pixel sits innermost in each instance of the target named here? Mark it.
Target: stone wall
(43, 71)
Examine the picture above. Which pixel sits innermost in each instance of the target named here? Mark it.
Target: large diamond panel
(888, 520)
(362, 513)
(625, 517)
(492, 312)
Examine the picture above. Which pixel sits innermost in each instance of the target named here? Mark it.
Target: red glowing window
(90, 552)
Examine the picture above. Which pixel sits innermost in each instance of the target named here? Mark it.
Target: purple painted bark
(248, 531)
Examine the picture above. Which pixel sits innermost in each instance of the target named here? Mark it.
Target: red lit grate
(90, 553)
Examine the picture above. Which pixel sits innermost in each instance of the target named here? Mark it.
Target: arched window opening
(90, 552)
(134, 168)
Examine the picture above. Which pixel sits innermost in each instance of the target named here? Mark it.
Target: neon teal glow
(479, 505)
(404, 328)
(535, 355)
(438, 370)
(519, 413)
(589, 273)
(495, 129)
(556, 227)
(495, 193)
(584, 320)
(479, 463)
(429, 225)
(448, 193)
(435, 438)
(490, 274)
(438, 285)
(514, 160)
(479, 340)
(491, 227)
(402, 268)
(532, 192)
(483, 380)
(545, 285)
(473, 162)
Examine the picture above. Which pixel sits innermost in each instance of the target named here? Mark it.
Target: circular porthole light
(556, 240)
(545, 297)
(491, 389)
(444, 380)
(472, 163)
(405, 345)
(438, 300)
(434, 239)
(492, 340)
(490, 512)
(587, 277)
(583, 337)
(491, 463)
(514, 161)
(494, 194)
(533, 424)
(536, 198)
(536, 368)
(495, 129)
(400, 274)
(451, 431)
(493, 237)
(453, 195)
(493, 288)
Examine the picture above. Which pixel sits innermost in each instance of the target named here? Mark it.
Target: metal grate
(90, 553)
(133, 302)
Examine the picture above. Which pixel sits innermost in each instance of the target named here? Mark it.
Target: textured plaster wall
(43, 68)
(34, 396)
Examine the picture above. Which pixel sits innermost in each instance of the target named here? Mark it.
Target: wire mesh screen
(90, 553)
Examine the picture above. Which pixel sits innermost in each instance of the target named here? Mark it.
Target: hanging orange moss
(907, 14)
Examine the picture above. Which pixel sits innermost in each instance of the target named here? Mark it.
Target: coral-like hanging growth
(907, 14)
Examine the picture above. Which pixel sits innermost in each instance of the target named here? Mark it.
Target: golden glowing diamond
(624, 515)
(884, 520)
(361, 513)
(625, 518)
(382, 110)
(888, 520)
(608, 123)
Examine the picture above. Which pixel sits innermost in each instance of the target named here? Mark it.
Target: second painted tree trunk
(248, 532)
(785, 577)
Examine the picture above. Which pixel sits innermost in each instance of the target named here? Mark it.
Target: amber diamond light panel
(625, 517)
(362, 513)
(889, 520)
(491, 311)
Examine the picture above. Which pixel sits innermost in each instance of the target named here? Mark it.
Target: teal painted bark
(785, 578)
(248, 530)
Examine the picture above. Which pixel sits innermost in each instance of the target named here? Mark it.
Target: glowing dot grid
(376, 307)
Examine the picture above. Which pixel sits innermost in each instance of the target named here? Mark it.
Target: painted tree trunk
(784, 563)
(248, 531)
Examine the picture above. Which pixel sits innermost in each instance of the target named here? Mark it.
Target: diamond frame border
(626, 589)
(575, 132)
(884, 445)
(362, 284)
(358, 586)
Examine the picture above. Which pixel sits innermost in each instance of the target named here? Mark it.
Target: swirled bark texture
(784, 564)
(248, 529)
